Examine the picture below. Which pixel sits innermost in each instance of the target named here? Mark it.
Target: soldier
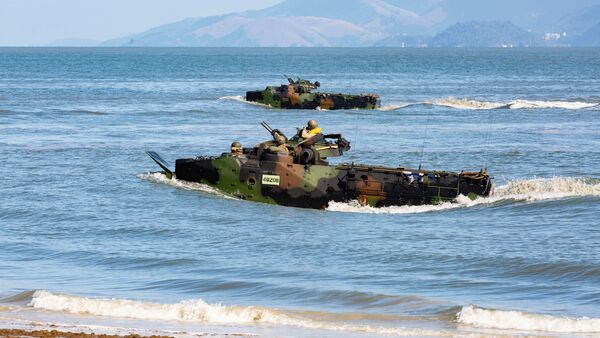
(280, 147)
(311, 129)
(236, 148)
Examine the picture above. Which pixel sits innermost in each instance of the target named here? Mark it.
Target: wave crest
(547, 188)
(517, 320)
(463, 103)
(191, 310)
(198, 310)
(459, 103)
(528, 190)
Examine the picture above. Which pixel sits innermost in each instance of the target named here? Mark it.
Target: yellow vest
(315, 131)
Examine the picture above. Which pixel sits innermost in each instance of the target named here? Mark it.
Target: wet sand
(64, 334)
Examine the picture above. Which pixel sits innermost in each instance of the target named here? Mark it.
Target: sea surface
(94, 237)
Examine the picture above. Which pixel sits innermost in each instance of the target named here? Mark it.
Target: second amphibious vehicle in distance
(296, 173)
(298, 95)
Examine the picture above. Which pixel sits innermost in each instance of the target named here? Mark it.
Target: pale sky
(38, 22)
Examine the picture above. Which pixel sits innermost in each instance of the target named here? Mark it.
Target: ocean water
(93, 237)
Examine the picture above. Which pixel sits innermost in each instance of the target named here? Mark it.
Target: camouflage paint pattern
(314, 186)
(300, 176)
(298, 95)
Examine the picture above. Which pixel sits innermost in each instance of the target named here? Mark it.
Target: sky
(39, 22)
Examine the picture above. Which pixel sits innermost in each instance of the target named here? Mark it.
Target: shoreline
(67, 334)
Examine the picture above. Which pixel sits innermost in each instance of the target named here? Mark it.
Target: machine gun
(272, 131)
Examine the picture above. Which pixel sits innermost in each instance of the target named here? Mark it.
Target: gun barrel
(267, 127)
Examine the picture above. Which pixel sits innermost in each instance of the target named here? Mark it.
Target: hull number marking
(270, 179)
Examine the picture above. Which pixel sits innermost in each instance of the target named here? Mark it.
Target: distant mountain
(535, 15)
(245, 31)
(418, 6)
(375, 15)
(483, 34)
(384, 23)
(291, 23)
(581, 27)
(591, 38)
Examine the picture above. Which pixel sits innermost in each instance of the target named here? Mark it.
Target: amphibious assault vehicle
(298, 95)
(296, 173)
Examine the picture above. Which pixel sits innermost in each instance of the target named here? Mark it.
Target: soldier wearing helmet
(236, 148)
(311, 129)
(280, 146)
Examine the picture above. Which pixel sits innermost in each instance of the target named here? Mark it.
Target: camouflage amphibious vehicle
(296, 173)
(298, 95)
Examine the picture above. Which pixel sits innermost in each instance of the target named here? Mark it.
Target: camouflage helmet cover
(280, 139)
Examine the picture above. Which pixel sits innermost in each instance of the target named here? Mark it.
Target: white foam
(526, 190)
(199, 311)
(242, 99)
(355, 206)
(524, 104)
(463, 103)
(192, 310)
(459, 103)
(516, 320)
(161, 178)
(549, 188)
(391, 107)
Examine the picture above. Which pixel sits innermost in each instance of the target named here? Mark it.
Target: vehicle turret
(314, 150)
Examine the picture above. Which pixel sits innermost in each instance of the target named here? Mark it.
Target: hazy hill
(381, 16)
(384, 23)
(536, 15)
(580, 21)
(483, 34)
(590, 38)
(291, 23)
(241, 31)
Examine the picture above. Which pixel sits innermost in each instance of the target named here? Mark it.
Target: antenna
(427, 125)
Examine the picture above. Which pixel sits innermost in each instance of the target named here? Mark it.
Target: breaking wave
(517, 320)
(468, 104)
(461, 103)
(526, 190)
(197, 310)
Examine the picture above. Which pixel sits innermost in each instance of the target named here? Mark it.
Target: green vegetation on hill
(484, 34)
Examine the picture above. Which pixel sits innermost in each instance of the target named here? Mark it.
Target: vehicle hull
(290, 99)
(277, 180)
